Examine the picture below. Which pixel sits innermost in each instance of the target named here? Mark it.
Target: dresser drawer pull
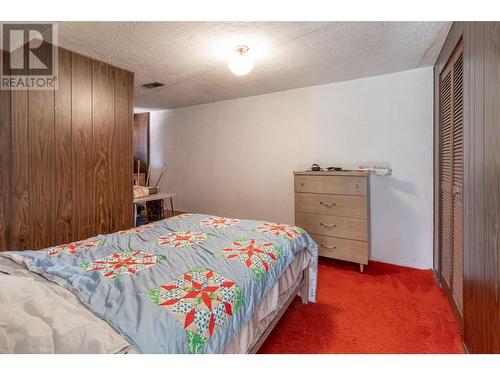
(328, 204)
(328, 225)
(328, 247)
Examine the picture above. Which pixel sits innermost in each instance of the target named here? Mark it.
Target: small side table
(154, 197)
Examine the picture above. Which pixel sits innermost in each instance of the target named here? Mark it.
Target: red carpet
(386, 309)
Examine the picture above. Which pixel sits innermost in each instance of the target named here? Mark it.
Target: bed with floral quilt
(188, 284)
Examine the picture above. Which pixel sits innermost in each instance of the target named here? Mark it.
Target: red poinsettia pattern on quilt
(201, 300)
(218, 222)
(73, 248)
(137, 230)
(257, 256)
(288, 231)
(127, 262)
(181, 239)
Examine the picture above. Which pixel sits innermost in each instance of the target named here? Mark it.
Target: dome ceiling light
(241, 62)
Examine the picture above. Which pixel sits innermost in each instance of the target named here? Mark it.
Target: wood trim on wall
(21, 236)
(141, 141)
(66, 161)
(5, 162)
(489, 284)
(41, 167)
(124, 115)
(63, 205)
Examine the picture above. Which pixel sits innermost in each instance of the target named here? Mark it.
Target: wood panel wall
(66, 159)
(141, 141)
(481, 190)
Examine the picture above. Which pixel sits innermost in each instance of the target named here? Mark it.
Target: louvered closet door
(458, 178)
(451, 182)
(446, 208)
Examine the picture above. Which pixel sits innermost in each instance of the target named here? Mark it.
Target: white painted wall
(236, 157)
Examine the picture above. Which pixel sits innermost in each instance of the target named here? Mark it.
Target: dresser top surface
(331, 173)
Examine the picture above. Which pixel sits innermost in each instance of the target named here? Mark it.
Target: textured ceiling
(190, 57)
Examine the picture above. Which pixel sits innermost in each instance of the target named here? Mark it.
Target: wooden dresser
(334, 208)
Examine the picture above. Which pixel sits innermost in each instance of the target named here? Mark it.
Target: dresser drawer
(337, 226)
(341, 248)
(329, 204)
(348, 185)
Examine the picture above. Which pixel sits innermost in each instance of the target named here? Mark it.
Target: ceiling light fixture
(241, 62)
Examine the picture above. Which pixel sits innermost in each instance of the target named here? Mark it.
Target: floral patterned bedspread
(188, 284)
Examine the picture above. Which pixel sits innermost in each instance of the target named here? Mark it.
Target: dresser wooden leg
(361, 267)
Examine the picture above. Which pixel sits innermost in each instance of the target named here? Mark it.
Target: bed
(193, 283)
